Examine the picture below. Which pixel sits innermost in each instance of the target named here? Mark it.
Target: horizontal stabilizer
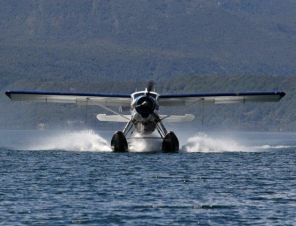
(113, 118)
(177, 118)
(126, 118)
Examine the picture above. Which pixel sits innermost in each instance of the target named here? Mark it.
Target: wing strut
(128, 128)
(201, 99)
(108, 109)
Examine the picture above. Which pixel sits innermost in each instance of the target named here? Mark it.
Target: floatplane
(144, 107)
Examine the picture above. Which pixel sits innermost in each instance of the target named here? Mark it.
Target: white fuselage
(144, 125)
(144, 109)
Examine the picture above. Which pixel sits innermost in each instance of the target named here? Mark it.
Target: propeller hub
(145, 105)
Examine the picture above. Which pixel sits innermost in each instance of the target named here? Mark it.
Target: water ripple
(58, 187)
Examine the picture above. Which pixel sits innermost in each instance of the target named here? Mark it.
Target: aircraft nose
(145, 105)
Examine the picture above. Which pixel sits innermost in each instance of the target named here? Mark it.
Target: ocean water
(72, 178)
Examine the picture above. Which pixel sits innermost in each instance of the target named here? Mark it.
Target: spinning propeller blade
(150, 86)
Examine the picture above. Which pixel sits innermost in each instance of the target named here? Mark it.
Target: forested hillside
(112, 40)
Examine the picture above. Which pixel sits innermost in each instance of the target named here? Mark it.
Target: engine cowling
(145, 105)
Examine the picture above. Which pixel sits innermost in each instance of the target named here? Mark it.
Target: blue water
(72, 178)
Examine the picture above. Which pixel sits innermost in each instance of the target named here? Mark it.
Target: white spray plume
(140, 144)
(204, 143)
(86, 140)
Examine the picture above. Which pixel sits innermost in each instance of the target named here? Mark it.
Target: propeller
(145, 104)
(150, 86)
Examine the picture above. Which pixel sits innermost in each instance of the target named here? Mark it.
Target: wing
(69, 97)
(219, 98)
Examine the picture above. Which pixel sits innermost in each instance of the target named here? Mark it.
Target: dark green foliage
(100, 40)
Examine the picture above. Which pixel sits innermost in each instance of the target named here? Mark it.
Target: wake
(213, 144)
(89, 140)
(86, 140)
(206, 144)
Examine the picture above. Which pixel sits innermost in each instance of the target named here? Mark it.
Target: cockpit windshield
(138, 94)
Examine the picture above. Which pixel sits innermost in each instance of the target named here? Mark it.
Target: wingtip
(7, 93)
(282, 94)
